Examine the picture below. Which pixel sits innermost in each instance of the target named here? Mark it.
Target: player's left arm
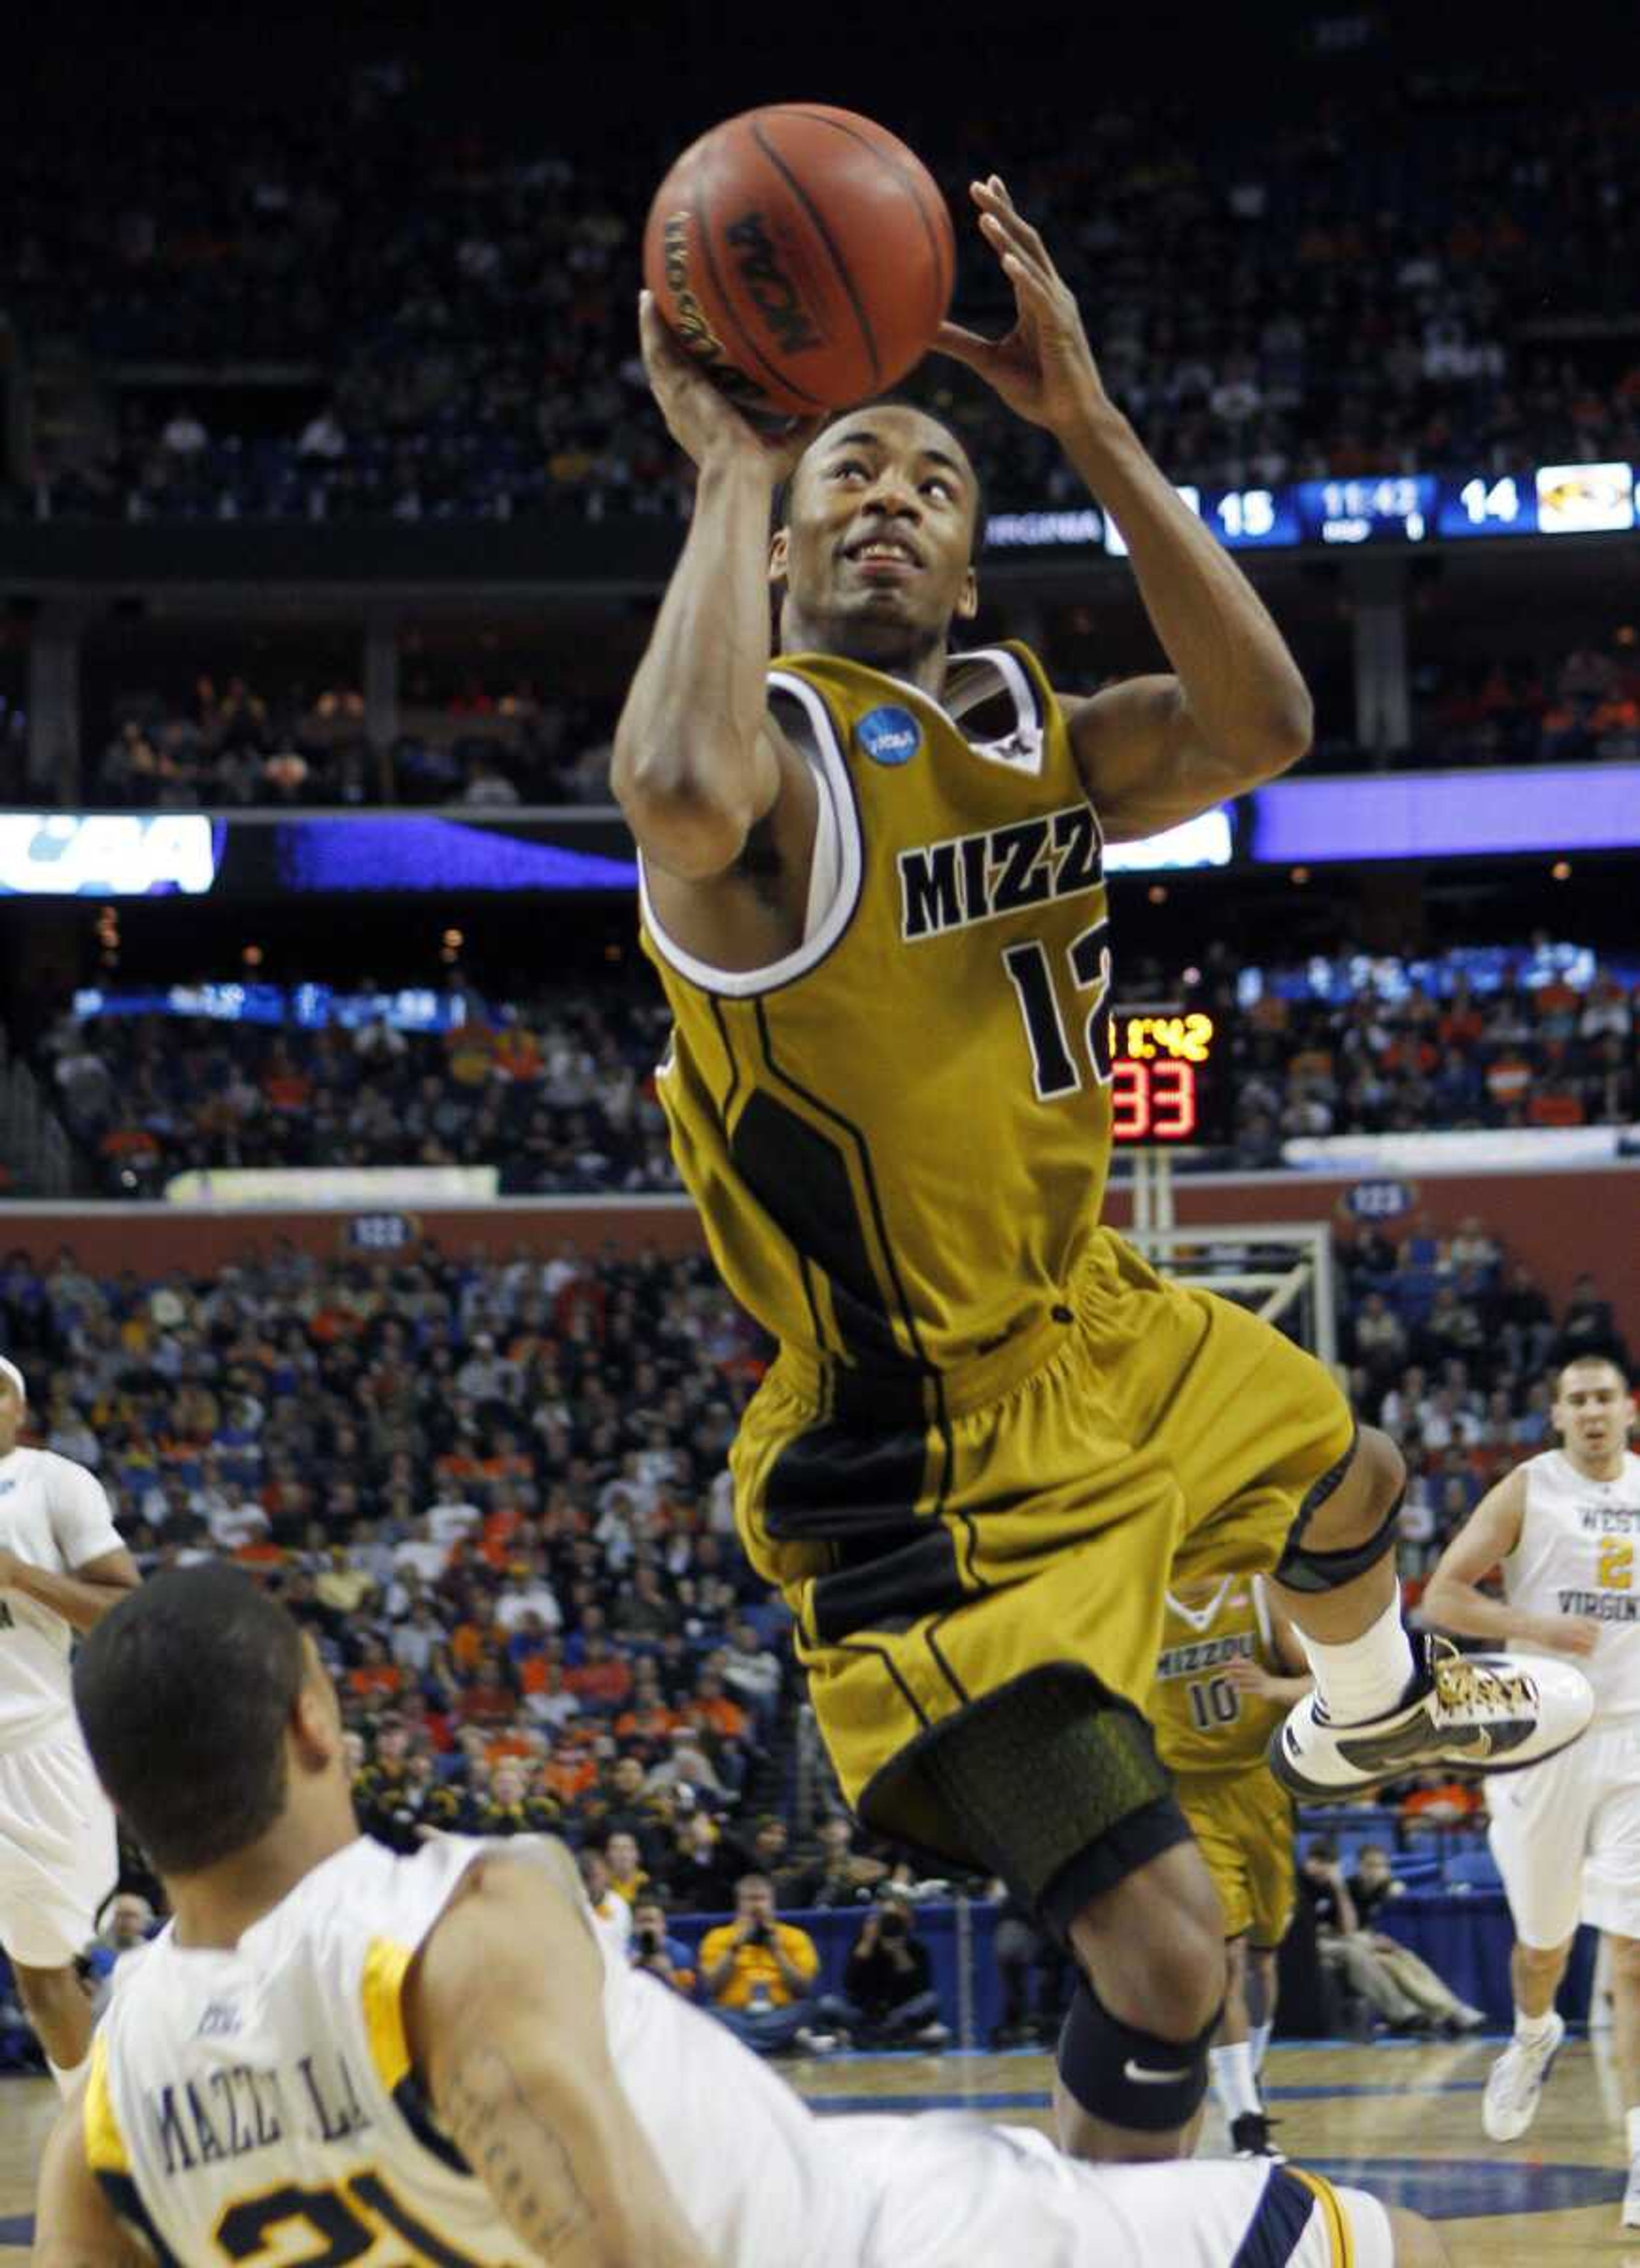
(82, 1598)
(1290, 1681)
(1153, 751)
(101, 1570)
(75, 2225)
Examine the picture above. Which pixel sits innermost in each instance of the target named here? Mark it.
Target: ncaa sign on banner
(61, 854)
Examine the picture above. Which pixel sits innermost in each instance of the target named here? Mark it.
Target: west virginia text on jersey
(899, 1135)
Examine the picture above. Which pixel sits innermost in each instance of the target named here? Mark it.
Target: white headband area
(10, 1370)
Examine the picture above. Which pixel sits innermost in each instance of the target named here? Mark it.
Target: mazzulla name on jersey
(236, 2109)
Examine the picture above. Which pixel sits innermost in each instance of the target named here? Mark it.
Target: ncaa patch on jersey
(889, 736)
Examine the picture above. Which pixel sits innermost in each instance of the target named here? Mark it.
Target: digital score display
(1375, 508)
(1167, 1090)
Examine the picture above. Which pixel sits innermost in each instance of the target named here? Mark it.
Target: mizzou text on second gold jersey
(1204, 1723)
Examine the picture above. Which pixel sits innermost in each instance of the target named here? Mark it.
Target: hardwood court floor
(1403, 2121)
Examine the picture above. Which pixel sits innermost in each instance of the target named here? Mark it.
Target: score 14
(1492, 500)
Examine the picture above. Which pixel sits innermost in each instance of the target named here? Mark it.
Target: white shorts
(1581, 1804)
(59, 1854)
(949, 2187)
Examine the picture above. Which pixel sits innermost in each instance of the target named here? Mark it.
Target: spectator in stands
(1373, 1885)
(628, 1875)
(887, 1998)
(751, 1671)
(704, 1867)
(1588, 1326)
(758, 1975)
(1374, 1967)
(656, 1952)
(839, 1875)
(511, 1809)
(1380, 1338)
(128, 1923)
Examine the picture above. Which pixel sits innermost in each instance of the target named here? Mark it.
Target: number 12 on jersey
(1055, 1069)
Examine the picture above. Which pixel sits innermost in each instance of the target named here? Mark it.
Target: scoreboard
(1536, 501)
(1169, 1078)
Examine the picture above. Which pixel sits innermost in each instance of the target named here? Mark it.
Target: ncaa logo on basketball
(889, 736)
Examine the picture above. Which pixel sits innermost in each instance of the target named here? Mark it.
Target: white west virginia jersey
(53, 1514)
(1579, 1555)
(259, 2106)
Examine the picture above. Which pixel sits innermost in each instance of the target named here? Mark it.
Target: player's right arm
(699, 763)
(504, 2007)
(1452, 1599)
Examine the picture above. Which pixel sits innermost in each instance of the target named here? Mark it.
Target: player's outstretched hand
(1044, 369)
(700, 417)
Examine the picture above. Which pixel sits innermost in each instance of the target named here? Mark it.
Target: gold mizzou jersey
(1202, 1723)
(898, 1136)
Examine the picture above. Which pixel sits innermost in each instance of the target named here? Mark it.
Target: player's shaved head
(184, 1692)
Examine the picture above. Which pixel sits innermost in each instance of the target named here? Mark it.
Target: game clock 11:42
(1165, 1082)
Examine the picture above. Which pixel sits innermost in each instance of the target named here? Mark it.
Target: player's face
(876, 553)
(11, 1416)
(1594, 1411)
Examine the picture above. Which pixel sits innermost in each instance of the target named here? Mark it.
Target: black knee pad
(1302, 1569)
(1028, 1779)
(1129, 2078)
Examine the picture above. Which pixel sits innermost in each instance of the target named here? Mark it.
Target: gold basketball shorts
(1009, 1529)
(1243, 1824)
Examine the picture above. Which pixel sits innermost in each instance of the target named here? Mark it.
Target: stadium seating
(1272, 297)
(555, 1091)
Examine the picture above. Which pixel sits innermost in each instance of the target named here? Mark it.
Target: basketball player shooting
(871, 878)
(1563, 1527)
(334, 2053)
(62, 1567)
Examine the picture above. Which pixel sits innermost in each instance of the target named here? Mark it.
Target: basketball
(804, 255)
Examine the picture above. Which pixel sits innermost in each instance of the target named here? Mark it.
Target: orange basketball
(804, 255)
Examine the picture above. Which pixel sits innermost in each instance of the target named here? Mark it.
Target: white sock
(1364, 1676)
(64, 2078)
(1631, 2120)
(1530, 2030)
(1258, 2040)
(1231, 2070)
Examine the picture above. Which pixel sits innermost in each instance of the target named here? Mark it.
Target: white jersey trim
(838, 849)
